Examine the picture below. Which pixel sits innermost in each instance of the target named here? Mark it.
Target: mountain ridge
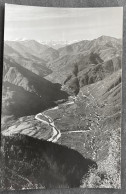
(24, 91)
(106, 48)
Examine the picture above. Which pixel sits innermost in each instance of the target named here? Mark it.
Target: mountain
(26, 59)
(88, 57)
(27, 47)
(92, 73)
(99, 45)
(33, 49)
(31, 55)
(79, 105)
(25, 93)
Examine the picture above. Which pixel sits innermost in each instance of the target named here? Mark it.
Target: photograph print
(61, 98)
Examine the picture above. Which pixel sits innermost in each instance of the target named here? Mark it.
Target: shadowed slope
(25, 93)
(31, 162)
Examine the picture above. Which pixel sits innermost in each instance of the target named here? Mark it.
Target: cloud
(47, 23)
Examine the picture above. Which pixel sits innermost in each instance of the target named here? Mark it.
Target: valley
(69, 98)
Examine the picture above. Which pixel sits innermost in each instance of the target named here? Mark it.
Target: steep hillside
(37, 49)
(36, 164)
(63, 67)
(33, 63)
(99, 45)
(27, 48)
(92, 73)
(83, 54)
(26, 93)
(32, 49)
(91, 124)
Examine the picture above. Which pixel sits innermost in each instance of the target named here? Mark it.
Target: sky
(61, 24)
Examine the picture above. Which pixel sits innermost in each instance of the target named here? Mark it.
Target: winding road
(56, 134)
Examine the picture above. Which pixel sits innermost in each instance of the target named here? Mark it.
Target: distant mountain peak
(107, 38)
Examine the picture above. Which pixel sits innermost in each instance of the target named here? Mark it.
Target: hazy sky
(61, 24)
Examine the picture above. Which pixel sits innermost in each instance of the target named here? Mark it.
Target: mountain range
(87, 74)
(34, 70)
(93, 61)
